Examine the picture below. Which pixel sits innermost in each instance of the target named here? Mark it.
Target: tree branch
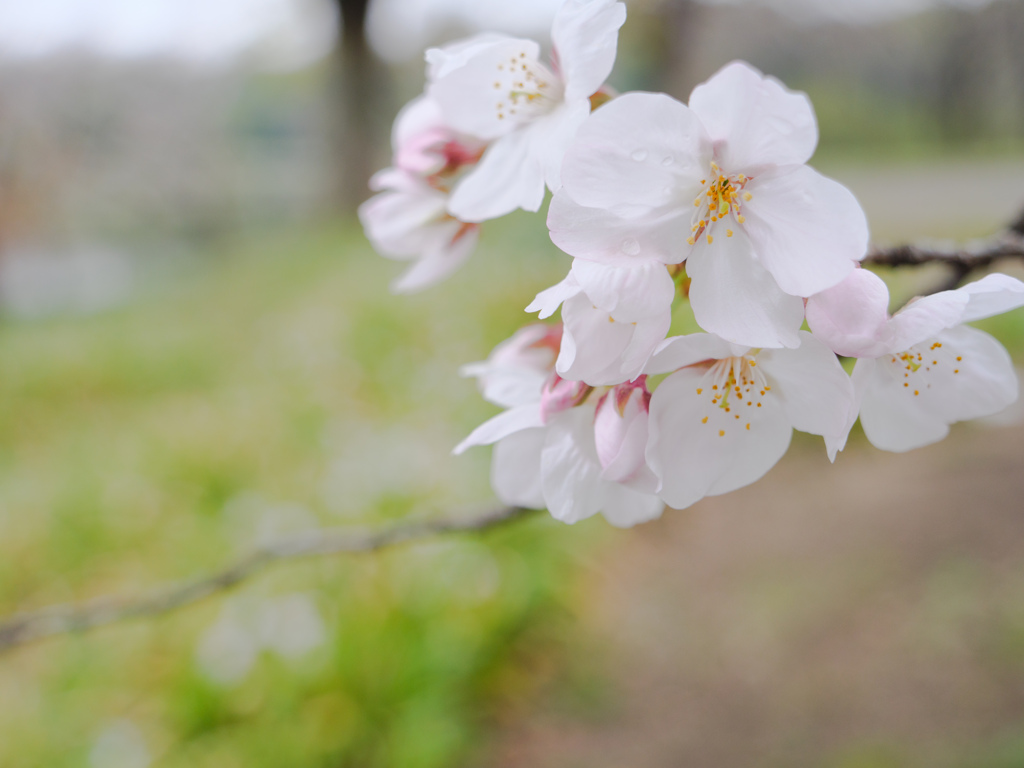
(54, 620)
(1011, 246)
(1008, 245)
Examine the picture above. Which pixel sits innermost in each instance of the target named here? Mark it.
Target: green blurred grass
(280, 384)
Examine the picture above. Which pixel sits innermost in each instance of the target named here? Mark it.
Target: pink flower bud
(560, 395)
(620, 429)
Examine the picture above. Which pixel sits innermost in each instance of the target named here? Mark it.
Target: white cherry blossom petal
(697, 448)
(547, 301)
(909, 399)
(755, 120)
(442, 61)
(600, 349)
(992, 295)
(640, 291)
(853, 316)
(551, 135)
(517, 369)
(888, 421)
(570, 471)
(464, 84)
(453, 243)
(806, 229)
(815, 391)
(395, 221)
(619, 236)
(620, 434)
(924, 317)
(640, 149)
(733, 296)
(681, 351)
(515, 469)
(503, 425)
(623, 507)
(507, 177)
(585, 34)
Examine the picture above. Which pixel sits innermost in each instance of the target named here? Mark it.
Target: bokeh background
(198, 353)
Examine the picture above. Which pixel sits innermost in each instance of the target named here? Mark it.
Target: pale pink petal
(992, 295)
(733, 296)
(515, 469)
(442, 61)
(815, 391)
(640, 149)
(570, 472)
(641, 290)
(889, 420)
(397, 223)
(624, 507)
(697, 448)
(601, 349)
(620, 435)
(517, 369)
(680, 351)
(618, 236)
(924, 317)
(454, 243)
(585, 35)
(853, 316)
(506, 178)
(754, 120)
(503, 425)
(806, 229)
(395, 179)
(547, 301)
(962, 373)
(464, 85)
(551, 135)
(986, 381)
(418, 116)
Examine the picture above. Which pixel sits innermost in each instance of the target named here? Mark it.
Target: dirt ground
(869, 613)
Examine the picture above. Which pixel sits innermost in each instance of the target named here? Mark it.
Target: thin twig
(1008, 245)
(54, 620)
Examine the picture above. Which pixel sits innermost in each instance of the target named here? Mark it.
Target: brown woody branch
(27, 627)
(1008, 245)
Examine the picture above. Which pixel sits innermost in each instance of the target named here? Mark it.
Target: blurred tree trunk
(359, 94)
(679, 24)
(962, 78)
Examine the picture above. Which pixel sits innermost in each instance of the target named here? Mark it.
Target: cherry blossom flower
(409, 219)
(722, 185)
(726, 414)
(607, 340)
(921, 369)
(496, 87)
(571, 448)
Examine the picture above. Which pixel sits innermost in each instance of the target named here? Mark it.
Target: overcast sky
(291, 33)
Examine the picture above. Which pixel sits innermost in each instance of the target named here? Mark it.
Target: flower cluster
(667, 208)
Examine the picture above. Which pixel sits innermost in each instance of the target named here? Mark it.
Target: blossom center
(923, 365)
(525, 89)
(732, 389)
(721, 200)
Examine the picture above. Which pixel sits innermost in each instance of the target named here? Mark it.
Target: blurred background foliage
(199, 353)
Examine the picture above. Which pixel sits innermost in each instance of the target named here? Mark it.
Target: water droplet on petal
(639, 155)
(630, 246)
(666, 161)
